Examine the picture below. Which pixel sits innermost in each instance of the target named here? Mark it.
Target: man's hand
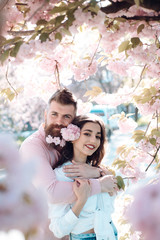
(108, 184)
(81, 170)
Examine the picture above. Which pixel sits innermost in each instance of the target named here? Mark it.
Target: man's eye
(66, 116)
(53, 114)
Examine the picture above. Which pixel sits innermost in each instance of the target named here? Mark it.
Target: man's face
(58, 116)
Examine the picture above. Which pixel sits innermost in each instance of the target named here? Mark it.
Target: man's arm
(81, 170)
(46, 179)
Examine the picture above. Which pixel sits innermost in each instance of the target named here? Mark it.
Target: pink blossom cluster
(55, 140)
(22, 206)
(124, 95)
(126, 125)
(70, 133)
(146, 146)
(150, 107)
(132, 160)
(143, 212)
(83, 107)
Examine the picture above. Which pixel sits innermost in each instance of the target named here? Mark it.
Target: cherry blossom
(126, 125)
(17, 195)
(70, 133)
(143, 214)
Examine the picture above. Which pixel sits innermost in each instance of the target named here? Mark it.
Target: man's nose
(59, 121)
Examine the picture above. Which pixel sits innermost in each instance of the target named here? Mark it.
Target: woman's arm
(82, 189)
(64, 219)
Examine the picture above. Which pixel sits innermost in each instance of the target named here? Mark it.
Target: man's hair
(64, 97)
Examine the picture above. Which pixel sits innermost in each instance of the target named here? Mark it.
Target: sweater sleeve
(62, 219)
(45, 177)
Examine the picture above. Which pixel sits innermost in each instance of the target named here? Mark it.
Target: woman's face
(88, 142)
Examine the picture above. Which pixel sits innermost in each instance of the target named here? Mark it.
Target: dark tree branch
(115, 7)
(145, 18)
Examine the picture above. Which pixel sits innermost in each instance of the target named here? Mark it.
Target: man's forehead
(61, 108)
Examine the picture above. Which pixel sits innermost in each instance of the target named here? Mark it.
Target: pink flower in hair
(70, 133)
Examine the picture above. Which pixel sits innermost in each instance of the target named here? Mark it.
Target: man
(60, 111)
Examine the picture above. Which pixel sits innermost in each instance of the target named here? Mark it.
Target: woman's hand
(82, 190)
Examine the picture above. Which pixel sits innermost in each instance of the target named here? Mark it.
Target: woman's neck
(80, 158)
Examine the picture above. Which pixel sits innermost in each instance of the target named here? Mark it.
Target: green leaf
(152, 141)
(137, 2)
(123, 46)
(66, 31)
(140, 28)
(59, 9)
(12, 40)
(15, 50)
(9, 94)
(135, 41)
(41, 22)
(138, 132)
(71, 18)
(153, 90)
(44, 36)
(4, 56)
(120, 182)
(120, 19)
(94, 9)
(156, 132)
(58, 20)
(58, 36)
(34, 36)
(138, 138)
(145, 99)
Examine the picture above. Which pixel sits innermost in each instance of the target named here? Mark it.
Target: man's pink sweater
(35, 148)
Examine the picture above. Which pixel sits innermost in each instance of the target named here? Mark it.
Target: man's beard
(54, 130)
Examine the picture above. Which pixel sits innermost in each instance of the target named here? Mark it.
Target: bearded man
(60, 112)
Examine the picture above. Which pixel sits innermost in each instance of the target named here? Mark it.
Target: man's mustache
(57, 126)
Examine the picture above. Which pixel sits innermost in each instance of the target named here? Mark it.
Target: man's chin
(53, 130)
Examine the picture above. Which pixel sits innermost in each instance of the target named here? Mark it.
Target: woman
(89, 217)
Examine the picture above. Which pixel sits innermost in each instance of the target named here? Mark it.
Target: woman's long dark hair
(96, 158)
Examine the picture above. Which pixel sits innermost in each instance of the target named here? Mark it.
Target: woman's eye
(98, 137)
(86, 134)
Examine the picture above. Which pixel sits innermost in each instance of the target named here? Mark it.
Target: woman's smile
(90, 146)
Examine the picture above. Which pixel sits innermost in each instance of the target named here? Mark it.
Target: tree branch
(9, 82)
(153, 159)
(145, 18)
(115, 7)
(21, 33)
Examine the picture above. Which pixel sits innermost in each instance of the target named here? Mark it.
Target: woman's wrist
(77, 208)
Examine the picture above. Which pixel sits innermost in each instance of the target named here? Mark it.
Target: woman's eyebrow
(88, 130)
